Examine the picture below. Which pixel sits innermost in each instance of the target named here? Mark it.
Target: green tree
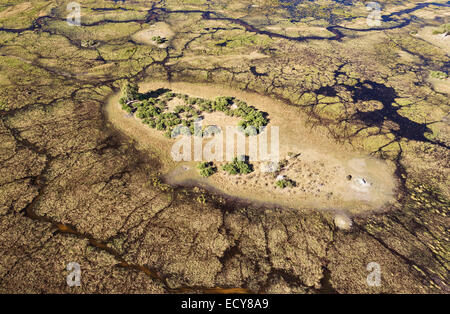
(130, 92)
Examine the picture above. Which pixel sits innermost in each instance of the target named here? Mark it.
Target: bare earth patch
(158, 29)
(439, 40)
(441, 86)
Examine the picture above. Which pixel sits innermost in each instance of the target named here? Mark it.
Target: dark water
(366, 90)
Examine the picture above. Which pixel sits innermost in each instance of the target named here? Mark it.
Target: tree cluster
(151, 110)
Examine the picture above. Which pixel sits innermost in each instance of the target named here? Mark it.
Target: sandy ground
(219, 119)
(438, 40)
(442, 86)
(158, 29)
(328, 175)
(173, 103)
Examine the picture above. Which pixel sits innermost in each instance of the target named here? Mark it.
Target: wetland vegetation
(82, 181)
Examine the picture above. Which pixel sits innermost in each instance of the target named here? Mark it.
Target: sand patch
(441, 86)
(255, 55)
(158, 29)
(219, 119)
(408, 57)
(439, 40)
(173, 103)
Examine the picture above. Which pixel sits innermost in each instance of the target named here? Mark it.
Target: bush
(168, 133)
(159, 40)
(250, 116)
(206, 106)
(179, 109)
(284, 183)
(237, 167)
(192, 100)
(127, 108)
(160, 126)
(130, 92)
(148, 111)
(439, 75)
(206, 169)
(222, 103)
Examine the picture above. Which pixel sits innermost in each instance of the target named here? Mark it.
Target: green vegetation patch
(445, 28)
(21, 14)
(206, 169)
(439, 75)
(238, 166)
(159, 40)
(285, 183)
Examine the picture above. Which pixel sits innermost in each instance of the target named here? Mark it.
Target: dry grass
(16, 9)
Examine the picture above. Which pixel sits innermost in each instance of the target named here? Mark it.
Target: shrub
(284, 183)
(148, 111)
(206, 106)
(207, 172)
(127, 108)
(222, 103)
(439, 75)
(179, 109)
(160, 126)
(206, 169)
(168, 133)
(192, 100)
(238, 167)
(203, 165)
(130, 92)
(159, 40)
